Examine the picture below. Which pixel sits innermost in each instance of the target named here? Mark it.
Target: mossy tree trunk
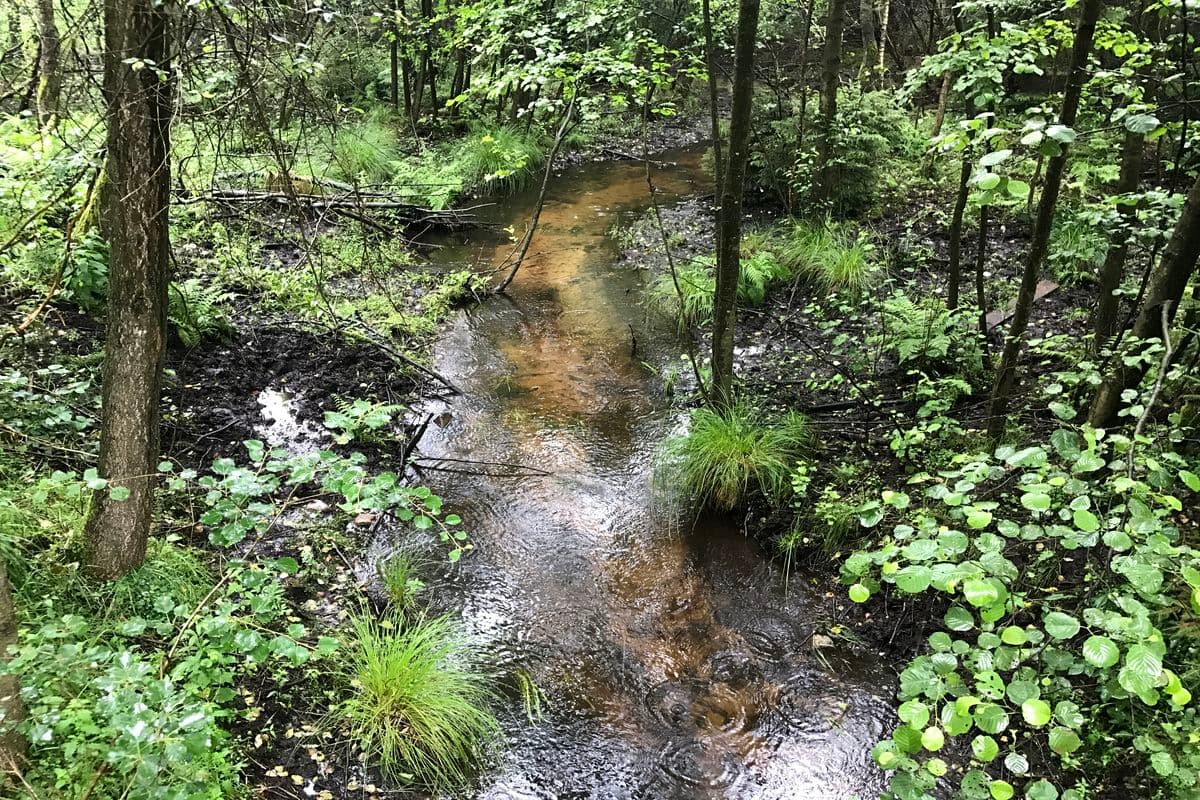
(136, 197)
(49, 89)
(729, 211)
(1006, 373)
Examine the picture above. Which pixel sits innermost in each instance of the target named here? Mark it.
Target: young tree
(870, 47)
(1007, 370)
(1159, 305)
(138, 90)
(831, 65)
(729, 212)
(1104, 324)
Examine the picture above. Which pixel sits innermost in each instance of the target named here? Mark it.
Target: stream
(674, 660)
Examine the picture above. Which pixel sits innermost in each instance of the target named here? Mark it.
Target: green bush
(195, 308)
(724, 457)
(875, 148)
(421, 709)
(1077, 250)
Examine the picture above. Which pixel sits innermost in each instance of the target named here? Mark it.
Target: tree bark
(885, 12)
(136, 199)
(1007, 371)
(1113, 270)
(12, 710)
(870, 46)
(1165, 289)
(831, 64)
(729, 213)
(49, 90)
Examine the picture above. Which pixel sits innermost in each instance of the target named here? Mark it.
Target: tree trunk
(885, 12)
(803, 79)
(138, 171)
(49, 88)
(729, 213)
(985, 214)
(1040, 240)
(12, 710)
(954, 268)
(870, 46)
(1107, 304)
(710, 59)
(830, 66)
(1165, 290)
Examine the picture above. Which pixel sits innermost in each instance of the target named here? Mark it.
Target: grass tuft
(830, 259)
(724, 457)
(421, 711)
(366, 152)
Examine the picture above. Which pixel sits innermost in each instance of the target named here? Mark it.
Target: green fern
(196, 310)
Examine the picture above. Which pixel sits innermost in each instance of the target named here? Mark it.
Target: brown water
(674, 662)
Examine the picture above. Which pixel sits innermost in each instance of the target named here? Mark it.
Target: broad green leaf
(1060, 625)
(859, 593)
(933, 738)
(1036, 712)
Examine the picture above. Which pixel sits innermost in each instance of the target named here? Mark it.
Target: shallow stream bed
(674, 659)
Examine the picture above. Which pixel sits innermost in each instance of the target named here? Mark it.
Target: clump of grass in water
(422, 712)
(400, 575)
(725, 456)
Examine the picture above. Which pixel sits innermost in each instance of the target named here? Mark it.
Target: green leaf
(992, 159)
(990, 718)
(1041, 790)
(1064, 741)
(979, 519)
(1060, 625)
(980, 592)
(1163, 764)
(1085, 521)
(1001, 790)
(984, 748)
(933, 738)
(1190, 479)
(1014, 636)
(914, 578)
(1101, 651)
(119, 493)
(959, 619)
(859, 593)
(1036, 501)
(1036, 712)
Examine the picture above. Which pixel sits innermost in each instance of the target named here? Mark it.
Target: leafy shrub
(830, 259)
(875, 146)
(421, 710)
(724, 457)
(1069, 578)
(692, 302)
(360, 419)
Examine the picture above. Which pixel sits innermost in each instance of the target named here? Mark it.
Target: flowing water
(674, 661)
